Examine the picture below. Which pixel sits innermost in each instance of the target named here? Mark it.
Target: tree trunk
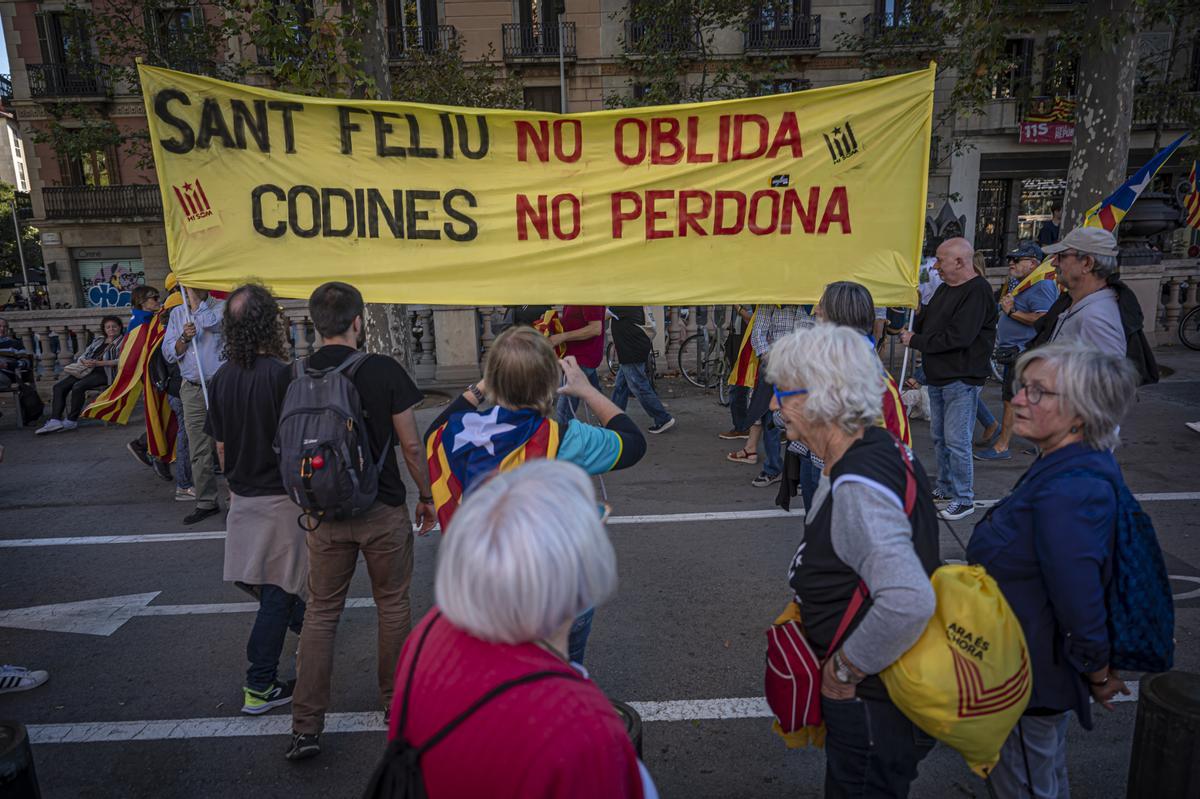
(388, 328)
(1107, 73)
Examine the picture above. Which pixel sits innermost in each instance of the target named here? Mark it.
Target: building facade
(100, 211)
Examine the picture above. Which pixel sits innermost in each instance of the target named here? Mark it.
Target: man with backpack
(372, 399)
(265, 551)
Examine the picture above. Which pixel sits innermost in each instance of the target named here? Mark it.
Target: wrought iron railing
(903, 27)
(803, 34)
(537, 42)
(6, 88)
(1174, 109)
(424, 38)
(102, 202)
(66, 80)
(680, 34)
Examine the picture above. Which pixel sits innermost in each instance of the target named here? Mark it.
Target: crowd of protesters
(526, 560)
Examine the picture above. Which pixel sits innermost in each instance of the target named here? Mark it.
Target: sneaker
(69, 425)
(939, 498)
(955, 510)
(139, 452)
(304, 746)
(258, 702)
(733, 435)
(52, 426)
(185, 495)
(662, 428)
(990, 454)
(163, 470)
(765, 479)
(200, 514)
(16, 678)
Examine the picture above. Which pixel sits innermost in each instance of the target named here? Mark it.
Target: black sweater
(956, 333)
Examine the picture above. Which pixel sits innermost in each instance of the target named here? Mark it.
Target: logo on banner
(197, 210)
(841, 142)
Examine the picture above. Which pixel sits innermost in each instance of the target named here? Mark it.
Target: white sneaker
(69, 425)
(185, 495)
(15, 678)
(52, 426)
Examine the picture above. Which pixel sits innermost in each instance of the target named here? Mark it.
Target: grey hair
(525, 553)
(1103, 265)
(1096, 386)
(848, 303)
(838, 368)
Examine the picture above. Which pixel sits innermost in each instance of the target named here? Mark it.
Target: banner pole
(187, 312)
(904, 367)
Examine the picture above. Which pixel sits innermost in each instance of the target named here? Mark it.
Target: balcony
(681, 36)
(6, 89)
(803, 34)
(413, 39)
(1180, 109)
(48, 81)
(103, 202)
(537, 42)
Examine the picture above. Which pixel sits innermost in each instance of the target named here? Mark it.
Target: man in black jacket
(955, 333)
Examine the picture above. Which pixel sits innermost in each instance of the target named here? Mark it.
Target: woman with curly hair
(265, 552)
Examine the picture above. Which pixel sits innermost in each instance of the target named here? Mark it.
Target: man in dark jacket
(955, 333)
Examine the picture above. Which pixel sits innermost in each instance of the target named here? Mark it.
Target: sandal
(742, 456)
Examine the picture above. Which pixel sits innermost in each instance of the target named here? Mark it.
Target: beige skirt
(265, 544)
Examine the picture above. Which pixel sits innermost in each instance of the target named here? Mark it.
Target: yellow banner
(759, 200)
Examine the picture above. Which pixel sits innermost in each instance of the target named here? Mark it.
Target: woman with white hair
(872, 528)
(526, 553)
(1049, 544)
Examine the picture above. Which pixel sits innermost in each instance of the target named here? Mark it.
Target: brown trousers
(384, 537)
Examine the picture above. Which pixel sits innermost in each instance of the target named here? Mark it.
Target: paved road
(684, 631)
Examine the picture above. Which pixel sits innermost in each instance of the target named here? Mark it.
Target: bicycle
(703, 361)
(1189, 329)
(614, 365)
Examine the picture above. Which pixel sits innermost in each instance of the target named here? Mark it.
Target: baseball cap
(1090, 240)
(1027, 249)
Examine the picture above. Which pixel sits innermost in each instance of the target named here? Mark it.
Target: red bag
(792, 682)
(793, 674)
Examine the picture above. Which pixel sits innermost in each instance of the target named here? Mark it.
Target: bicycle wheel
(611, 357)
(691, 360)
(1189, 329)
(723, 385)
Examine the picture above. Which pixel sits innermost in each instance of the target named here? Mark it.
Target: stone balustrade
(57, 337)
(1180, 293)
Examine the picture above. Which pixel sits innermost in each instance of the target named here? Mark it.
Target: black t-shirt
(243, 414)
(528, 314)
(384, 389)
(632, 343)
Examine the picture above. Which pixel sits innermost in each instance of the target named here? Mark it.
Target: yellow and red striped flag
(1191, 203)
(1044, 271)
(116, 403)
(745, 366)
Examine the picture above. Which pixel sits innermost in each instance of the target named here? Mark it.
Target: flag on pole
(745, 366)
(1109, 212)
(1044, 271)
(1191, 203)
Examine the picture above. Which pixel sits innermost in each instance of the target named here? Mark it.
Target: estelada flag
(549, 325)
(1044, 271)
(471, 445)
(895, 417)
(745, 366)
(1191, 203)
(117, 401)
(1109, 212)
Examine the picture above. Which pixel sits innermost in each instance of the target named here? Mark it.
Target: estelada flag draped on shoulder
(745, 366)
(549, 325)
(116, 403)
(471, 445)
(1043, 271)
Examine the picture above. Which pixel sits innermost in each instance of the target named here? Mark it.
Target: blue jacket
(1049, 546)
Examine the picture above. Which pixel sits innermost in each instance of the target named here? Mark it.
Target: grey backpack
(323, 444)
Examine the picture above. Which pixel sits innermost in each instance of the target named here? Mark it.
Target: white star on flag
(479, 430)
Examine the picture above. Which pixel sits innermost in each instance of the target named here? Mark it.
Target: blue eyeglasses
(779, 395)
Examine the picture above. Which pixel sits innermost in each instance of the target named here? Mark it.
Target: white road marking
(1193, 594)
(664, 518)
(751, 707)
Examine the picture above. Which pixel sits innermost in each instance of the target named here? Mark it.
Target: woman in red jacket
(525, 555)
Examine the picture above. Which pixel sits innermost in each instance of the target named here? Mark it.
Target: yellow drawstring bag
(967, 679)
